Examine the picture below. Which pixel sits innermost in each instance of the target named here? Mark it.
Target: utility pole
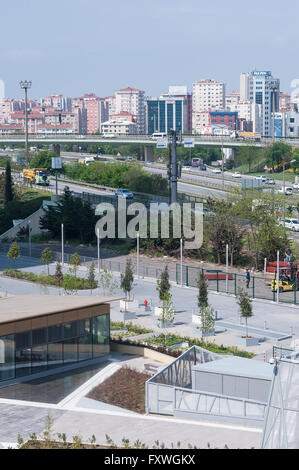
(174, 176)
(25, 85)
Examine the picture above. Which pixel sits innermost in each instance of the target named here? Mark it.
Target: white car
(261, 178)
(216, 170)
(292, 224)
(236, 175)
(287, 191)
(296, 186)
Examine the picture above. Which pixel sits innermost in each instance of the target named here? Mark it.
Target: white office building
(264, 95)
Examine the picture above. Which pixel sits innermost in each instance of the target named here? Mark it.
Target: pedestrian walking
(247, 277)
(288, 255)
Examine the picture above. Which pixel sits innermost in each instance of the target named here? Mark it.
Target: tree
(245, 306)
(75, 262)
(107, 281)
(279, 153)
(248, 155)
(58, 273)
(91, 277)
(207, 318)
(47, 257)
(126, 280)
(202, 297)
(168, 311)
(77, 216)
(9, 194)
(14, 252)
(163, 284)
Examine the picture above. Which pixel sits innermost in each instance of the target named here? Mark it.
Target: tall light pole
(273, 87)
(25, 85)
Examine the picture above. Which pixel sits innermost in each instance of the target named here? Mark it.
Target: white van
(159, 135)
(288, 190)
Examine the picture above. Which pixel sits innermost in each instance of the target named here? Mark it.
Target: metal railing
(212, 404)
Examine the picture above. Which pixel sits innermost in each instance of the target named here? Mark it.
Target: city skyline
(117, 47)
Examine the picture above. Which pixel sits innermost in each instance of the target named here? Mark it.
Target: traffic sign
(189, 143)
(56, 163)
(162, 143)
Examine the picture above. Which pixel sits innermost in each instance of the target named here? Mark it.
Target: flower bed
(125, 388)
(78, 282)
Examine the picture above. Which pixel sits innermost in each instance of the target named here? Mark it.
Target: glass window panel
(84, 327)
(70, 329)
(39, 336)
(55, 333)
(85, 347)
(70, 351)
(7, 357)
(100, 335)
(55, 355)
(39, 358)
(23, 340)
(23, 362)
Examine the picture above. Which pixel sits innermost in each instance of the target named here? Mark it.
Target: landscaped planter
(124, 316)
(199, 333)
(162, 324)
(128, 305)
(158, 311)
(180, 345)
(251, 341)
(196, 319)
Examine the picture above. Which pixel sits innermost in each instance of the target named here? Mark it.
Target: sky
(74, 47)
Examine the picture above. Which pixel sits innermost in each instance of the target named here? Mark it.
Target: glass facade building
(38, 350)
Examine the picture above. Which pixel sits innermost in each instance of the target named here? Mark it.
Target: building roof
(22, 307)
(238, 366)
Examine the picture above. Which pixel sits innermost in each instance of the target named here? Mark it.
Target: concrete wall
(34, 218)
(141, 351)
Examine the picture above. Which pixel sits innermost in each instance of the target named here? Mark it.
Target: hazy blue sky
(77, 46)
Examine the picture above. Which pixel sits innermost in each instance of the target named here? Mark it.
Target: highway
(205, 140)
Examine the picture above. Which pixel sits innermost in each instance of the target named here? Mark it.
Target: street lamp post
(25, 85)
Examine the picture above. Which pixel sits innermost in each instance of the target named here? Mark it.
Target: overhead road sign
(162, 143)
(189, 143)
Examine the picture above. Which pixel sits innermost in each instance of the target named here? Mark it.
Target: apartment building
(132, 101)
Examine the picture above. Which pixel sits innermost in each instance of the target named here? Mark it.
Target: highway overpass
(147, 140)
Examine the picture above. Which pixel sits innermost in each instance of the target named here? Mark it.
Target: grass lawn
(125, 388)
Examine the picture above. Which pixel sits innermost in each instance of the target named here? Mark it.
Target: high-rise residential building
(264, 94)
(208, 95)
(200, 120)
(232, 101)
(284, 102)
(171, 110)
(132, 101)
(244, 86)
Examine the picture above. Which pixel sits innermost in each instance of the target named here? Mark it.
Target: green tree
(77, 216)
(75, 262)
(47, 257)
(278, 154)
(126, 280)
(202, 297)
(14, 252)
(248, 155)
(9, 193)
(168, 312)
(91, 277)
(58, 273)
(70, 284)
(163, 284)
(245, 306)
(207, 319)
(107, 281)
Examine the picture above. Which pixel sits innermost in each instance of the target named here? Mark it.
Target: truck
(37, 176)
